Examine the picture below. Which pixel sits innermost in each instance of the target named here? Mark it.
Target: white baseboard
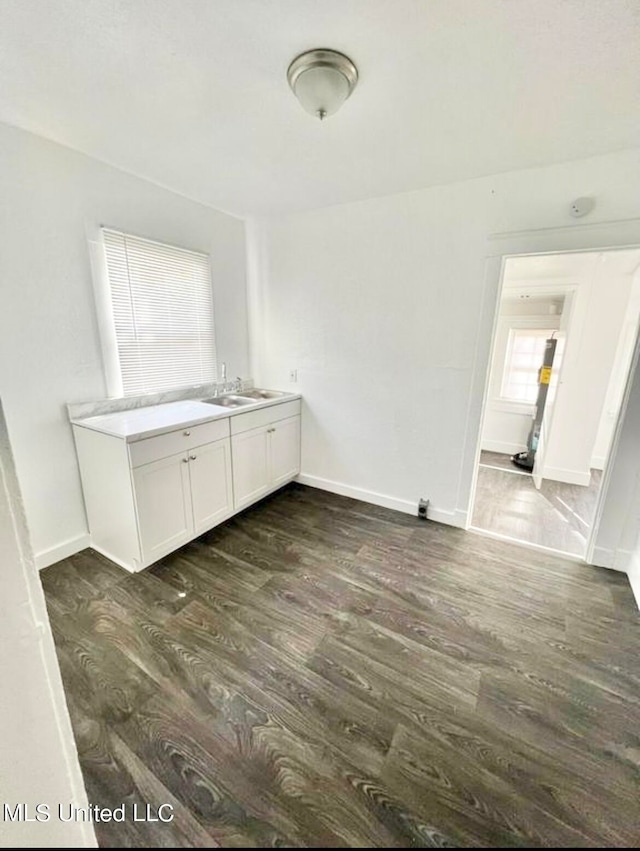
(620, 560)
(502, 447)
(603, 557)
(598, 462)
(633, 572)
(570, 477)
(67, 548)
(116, 560)
(451, 518)
(460, 519)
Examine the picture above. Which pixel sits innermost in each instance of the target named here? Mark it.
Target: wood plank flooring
(322, 672)
(557, 516)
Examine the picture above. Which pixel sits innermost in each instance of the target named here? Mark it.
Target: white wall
(50, 354)
(506, 423)
(618, 376)
(594, 330)
(618, 535)
(38, 758)
(384, 309)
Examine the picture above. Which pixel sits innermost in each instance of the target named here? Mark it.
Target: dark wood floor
(322, 672)
(557, 516)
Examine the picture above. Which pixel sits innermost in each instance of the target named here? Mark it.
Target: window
(162, 307)
(525, 354)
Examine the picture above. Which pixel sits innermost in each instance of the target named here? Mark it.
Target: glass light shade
(322, 80)
(321, 90)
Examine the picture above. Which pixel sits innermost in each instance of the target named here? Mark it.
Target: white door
(250, 466)
(163, 504)
(284, 451)
(211, 489)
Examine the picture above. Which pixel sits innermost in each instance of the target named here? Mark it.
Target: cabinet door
(211, 490)
(163, 505)
(250, 467)
(284, 451)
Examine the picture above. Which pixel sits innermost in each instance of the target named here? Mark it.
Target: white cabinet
(264, 458)
(284, 451)
(179, 497)
(211, 488)
(146, 497)
(250, 466)
(162, 493)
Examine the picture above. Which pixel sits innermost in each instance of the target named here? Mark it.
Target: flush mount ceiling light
(322, 80)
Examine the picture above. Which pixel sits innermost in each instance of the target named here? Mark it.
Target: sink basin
(229, 401)
(262, 394)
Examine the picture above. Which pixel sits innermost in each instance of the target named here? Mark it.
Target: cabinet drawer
(264, 416)
(162, 445)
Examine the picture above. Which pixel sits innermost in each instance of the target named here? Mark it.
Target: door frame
(571, 239)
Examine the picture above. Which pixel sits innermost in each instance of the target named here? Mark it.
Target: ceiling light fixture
(322, 80)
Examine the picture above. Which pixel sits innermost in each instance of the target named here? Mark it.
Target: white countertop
(140, 423)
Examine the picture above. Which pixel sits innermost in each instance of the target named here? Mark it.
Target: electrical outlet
(293, 375)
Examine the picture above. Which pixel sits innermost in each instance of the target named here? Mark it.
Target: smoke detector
(581, 207)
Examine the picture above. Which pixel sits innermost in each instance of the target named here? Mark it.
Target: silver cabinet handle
(185, 460)
(186, 433)
(193, 457)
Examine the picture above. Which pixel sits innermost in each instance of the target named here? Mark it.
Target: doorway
(588, 303)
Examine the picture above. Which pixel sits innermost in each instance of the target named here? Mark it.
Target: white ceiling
(192, 94)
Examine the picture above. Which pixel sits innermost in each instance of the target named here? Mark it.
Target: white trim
(602, 557)
(613, 560)
(27, 630)
(120, 563)
(570, 477)
(451, 518)
(623, 560)
(493, 275)
(61, 551)
(563, 230)
(501, 447)
(598, 462)
(633, 573)
(104, 312)
(613, 447)
(596, 236)
(526, 544)
(460, 519)
(359, 493)
(457, 518)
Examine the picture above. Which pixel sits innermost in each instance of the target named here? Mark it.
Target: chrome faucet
(223, 377)
(229, 386)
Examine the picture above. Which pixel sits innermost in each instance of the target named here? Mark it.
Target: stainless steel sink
(262, 394)
(229, 401)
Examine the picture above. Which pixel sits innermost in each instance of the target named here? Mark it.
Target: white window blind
(162, 304)
(525, 354)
